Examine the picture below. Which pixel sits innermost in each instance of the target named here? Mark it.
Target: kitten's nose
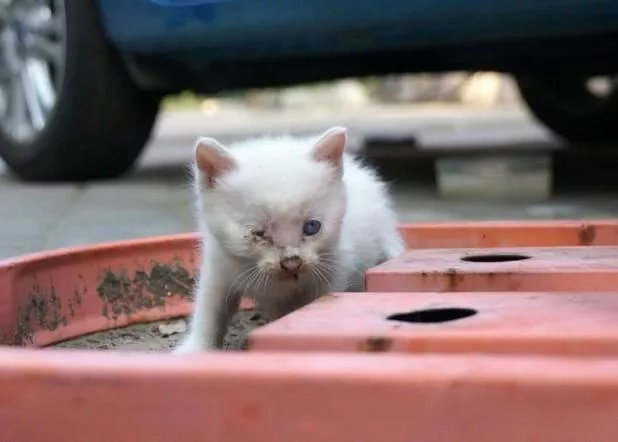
(291, 264)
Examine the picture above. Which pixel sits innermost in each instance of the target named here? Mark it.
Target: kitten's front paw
(192, 346)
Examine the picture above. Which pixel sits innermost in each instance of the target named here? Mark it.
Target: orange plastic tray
(557, 269)
(53, 296)
(49, 297)
(65, 396)
(568, 324)
(485, 234)
(72, 396)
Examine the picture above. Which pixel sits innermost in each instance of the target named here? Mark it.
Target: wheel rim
(32, 61)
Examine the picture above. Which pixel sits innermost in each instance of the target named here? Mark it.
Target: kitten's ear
(330, 147)
(212, 159)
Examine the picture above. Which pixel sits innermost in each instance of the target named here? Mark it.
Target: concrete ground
(155, 199)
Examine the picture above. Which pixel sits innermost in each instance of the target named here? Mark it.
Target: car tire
(101, 120)
(569, 108)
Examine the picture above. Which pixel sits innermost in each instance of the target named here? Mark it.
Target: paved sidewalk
(156, 199)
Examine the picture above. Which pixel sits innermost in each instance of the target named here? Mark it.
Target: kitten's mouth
(286, 276)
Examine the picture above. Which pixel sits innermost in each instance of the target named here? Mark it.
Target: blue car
(81, 81)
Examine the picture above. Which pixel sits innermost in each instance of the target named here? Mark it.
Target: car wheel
(581, 110)
(68, 109)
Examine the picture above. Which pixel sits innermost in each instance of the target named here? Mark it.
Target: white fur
(277, 183)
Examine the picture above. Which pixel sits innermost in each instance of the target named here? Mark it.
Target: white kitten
(284, 220)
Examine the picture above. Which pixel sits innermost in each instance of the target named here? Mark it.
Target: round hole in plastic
(495, 257)
(433, 315)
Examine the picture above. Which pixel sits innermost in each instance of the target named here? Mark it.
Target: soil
(162, 336)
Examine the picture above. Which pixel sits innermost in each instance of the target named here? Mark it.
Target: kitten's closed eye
(311, 227)
(258, 233)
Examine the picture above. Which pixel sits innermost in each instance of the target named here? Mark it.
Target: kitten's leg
(393, 245)
(283, 300)
(213, 309)
(355, 284)
(273, 309)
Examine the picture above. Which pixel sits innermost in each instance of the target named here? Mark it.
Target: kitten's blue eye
(311, 227)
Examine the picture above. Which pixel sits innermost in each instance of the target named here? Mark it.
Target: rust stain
(124, 295)
(586, 234)
(6, 339)
(41, 309)
(453, 278)
(376, 344)
(76, 300)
